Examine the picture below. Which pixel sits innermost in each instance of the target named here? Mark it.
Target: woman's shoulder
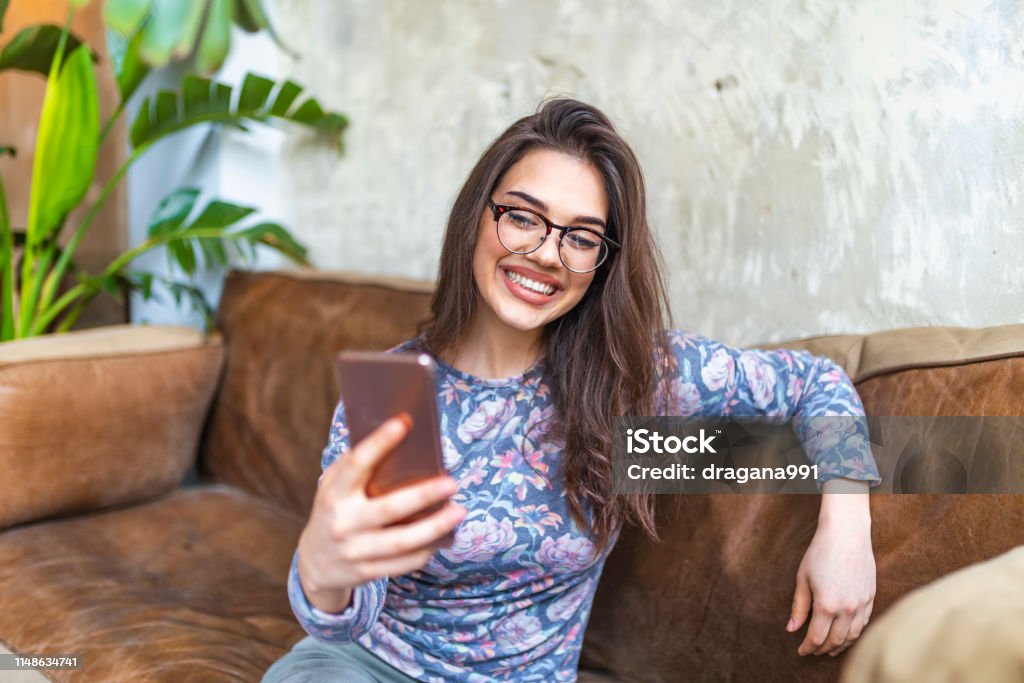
(682, 340)
(414, 345)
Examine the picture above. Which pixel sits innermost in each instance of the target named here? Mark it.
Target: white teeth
(524, 281)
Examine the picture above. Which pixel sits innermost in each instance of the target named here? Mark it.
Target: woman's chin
(524, 323)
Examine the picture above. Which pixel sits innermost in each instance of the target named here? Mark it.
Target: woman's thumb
(801, 604)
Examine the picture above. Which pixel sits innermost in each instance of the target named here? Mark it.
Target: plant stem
(75, 312)
(6, 271)
(40, 323)
(35, 267)
(110, 122)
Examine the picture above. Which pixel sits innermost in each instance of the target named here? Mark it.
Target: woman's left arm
(836, 579)
(837, 573)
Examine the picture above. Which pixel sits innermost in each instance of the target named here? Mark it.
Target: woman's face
(567, 192)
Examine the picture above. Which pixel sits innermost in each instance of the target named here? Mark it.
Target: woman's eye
(523, 220)
(582, 241)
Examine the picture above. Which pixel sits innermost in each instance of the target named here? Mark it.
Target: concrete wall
(813, 167)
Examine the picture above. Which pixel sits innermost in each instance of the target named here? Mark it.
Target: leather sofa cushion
(100, 417)
(188, 587)
(270, 421)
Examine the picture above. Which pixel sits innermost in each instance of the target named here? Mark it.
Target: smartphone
(377, 386)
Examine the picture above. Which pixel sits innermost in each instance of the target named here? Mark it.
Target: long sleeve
(718, 380)
(367, 599)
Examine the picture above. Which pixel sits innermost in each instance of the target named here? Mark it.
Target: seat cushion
(189, 587)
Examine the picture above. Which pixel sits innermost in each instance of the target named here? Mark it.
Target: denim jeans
(311, 661)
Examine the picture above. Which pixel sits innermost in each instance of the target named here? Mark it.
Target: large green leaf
(173, 211)
(216, 39)
(277, 237)
(132, 70)
(250, 16)
(171, 30)
(66, 144)
(215, 233)
(126, 16)
(34, 48)
(204, 101)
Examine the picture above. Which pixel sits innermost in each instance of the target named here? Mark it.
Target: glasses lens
(521, 231)
(582, 250)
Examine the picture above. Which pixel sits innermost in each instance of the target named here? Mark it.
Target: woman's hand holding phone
(351, 538)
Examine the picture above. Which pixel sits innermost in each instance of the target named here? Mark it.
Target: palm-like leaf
(34, 48)
(171, 30)
(215, 234)
(66, 144)
(201, 100)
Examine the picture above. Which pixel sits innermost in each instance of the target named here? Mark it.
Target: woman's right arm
(351, 544)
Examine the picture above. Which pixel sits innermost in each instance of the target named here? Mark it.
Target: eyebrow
(530, 199)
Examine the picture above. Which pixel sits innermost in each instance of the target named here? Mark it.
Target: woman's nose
(547, 254)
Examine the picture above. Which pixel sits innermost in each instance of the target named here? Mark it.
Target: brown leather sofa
(105, 555)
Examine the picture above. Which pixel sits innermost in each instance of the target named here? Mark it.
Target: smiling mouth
(527, 283)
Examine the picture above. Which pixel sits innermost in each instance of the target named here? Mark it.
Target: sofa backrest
(710, 601)
(282, 331)
(932, 370)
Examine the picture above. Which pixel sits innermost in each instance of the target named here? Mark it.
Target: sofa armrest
(100, 417)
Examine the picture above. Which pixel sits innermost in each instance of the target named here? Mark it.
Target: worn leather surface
(99, 417)
(710, 602)
(968, 626)
(185, 588)
(282, 332)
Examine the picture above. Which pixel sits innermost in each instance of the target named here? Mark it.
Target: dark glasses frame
(501, 209)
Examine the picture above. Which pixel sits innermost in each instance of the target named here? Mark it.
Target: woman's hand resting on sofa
(348, 541)
(837, 574)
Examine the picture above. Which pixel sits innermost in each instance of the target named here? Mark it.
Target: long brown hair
(600, 357)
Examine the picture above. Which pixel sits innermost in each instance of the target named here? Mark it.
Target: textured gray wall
(813, 167)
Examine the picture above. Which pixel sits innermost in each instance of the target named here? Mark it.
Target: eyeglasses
(523, 231)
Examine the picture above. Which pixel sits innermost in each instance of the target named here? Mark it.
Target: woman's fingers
(404, 539)
(838, 634)
(384, 510)
(817, 632)
(856, 628)
(395, 566)
(351, 471)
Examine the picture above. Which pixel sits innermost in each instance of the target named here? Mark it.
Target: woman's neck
(492, 350)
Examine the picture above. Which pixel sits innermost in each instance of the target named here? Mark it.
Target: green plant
(149, 33)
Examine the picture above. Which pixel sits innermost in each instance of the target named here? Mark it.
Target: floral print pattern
(510, 599)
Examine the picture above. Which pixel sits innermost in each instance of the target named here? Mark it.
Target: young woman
(548, 320)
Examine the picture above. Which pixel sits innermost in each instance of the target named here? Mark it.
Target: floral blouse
(509, 600)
